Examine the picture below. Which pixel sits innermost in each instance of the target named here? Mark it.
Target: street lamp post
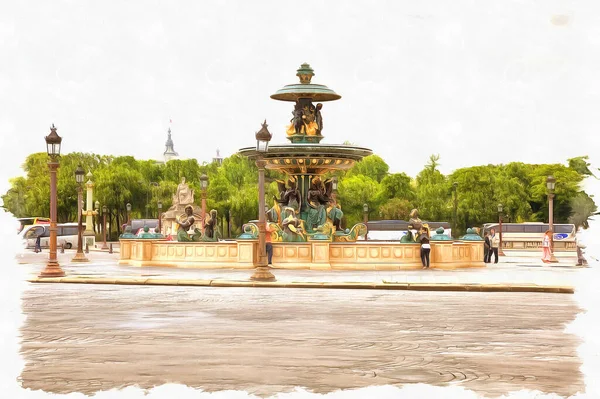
(366, 219)
(203, 186)
(500, 252)
(53, 141)
(128, 207)
(159, 206)
(79, 256)
(97, 210)
(104, 212)
(262, 272)
(551, 185)
(229, 223)
(455, 213)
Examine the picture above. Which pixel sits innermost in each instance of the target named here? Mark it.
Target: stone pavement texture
(516, 270)
(262, 341)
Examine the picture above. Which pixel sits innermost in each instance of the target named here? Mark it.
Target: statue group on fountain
(321, 217)
(187, 220)
(306, 119)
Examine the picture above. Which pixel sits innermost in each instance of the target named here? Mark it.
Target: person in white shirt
(495, 241)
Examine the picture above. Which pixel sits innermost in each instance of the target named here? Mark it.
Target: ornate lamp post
(79, 256)
(262, 272)
(97, 210)
(550, 185)
(104, 212)
(128, 206)
(203, 186)
(53, 141)
(455, 213)
(366, 218)
(159, 205)
(500, 252)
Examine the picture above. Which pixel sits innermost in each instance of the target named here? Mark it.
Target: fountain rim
(315, 92)
(308, 150)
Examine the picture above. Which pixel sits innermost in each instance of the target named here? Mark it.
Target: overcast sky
(477, 82)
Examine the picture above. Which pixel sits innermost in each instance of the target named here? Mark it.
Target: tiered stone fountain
(305, 216)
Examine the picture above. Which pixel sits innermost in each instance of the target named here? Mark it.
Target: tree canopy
(233, 191)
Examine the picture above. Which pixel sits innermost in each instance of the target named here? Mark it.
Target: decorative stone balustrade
(243, 254)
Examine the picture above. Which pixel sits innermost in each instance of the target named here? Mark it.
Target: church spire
(169, 148)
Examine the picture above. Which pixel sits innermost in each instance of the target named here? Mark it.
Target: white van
(66, 234)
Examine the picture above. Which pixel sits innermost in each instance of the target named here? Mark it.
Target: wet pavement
(85, 338)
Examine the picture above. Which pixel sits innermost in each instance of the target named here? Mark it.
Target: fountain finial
(305, 73)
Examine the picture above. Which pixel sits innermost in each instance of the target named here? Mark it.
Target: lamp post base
(52, 270)
(104, 247)
(79, 258)
(553, 259)
(500, 252)
(262, 273)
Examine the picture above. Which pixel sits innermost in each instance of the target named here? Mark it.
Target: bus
(29, 221)
(528, 236)
(393, 230)
(66, 234)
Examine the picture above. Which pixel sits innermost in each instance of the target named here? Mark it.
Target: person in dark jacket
(425, 247)
(486, 247)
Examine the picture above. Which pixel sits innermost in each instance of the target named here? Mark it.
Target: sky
(477, 82)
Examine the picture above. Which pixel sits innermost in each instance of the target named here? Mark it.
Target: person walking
(38, 243)
(269, 244)
(547, 247)
(425, 248)
(486, 247)
(494, 244)
(581, 260)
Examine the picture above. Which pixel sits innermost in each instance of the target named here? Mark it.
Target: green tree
(433, 192)
(354, 191)
(396, 209)
(372, 166)
(583, 209)
(398, 185)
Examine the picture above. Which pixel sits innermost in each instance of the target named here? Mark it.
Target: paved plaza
(85, 338)
(97, 337)
(520, 268)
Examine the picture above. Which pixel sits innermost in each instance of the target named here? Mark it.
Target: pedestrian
(269, 245)
(425, 247)
(546, 247)
(494, 243)
(486, 247)
(581, 260)
(38, 243)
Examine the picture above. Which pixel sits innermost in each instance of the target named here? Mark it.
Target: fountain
(305, 216)
(308, 166)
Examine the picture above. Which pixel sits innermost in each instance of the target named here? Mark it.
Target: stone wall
(243, 254)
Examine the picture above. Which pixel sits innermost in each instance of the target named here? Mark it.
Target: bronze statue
(292, 226)
(185, 224)
(210, 227)
(298, 119)
(414, 222)
(317, 199)
(334, 212)
(319, 118)
(292, 196)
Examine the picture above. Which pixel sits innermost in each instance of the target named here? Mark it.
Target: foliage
(582, 209)
(233, 192)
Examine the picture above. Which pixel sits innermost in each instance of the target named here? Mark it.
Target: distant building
(218, 159)
(169, 149)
